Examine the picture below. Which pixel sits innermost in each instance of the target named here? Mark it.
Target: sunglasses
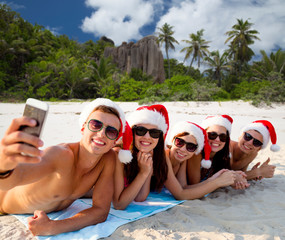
(96, 126)
(190, 147)
(213, 135)
(141, 131)
(247, 137)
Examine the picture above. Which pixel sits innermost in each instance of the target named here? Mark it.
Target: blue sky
(126, 20)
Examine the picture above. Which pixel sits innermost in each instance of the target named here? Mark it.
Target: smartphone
(37, 110)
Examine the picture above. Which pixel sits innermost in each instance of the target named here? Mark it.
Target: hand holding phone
(36, 110)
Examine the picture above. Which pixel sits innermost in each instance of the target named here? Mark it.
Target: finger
(20, 136)
(267, 161)
(23, 149)
(22, 121)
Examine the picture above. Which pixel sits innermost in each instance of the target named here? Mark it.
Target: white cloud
(13, 5)
(118, 20)
(218, 16)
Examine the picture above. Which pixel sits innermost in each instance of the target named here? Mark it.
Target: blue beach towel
(156, 202)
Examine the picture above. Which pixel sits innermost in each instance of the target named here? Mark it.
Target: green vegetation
(36, 63)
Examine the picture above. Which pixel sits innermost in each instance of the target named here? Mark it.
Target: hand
(40, 224)
(145, 162)
(256, 167)
(217, 174)
(266, 170)
(240, 182)
(12, 147)
(227, 178)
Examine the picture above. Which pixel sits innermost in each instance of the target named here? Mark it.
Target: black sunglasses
(247, 137)
(213, 135)
(141, 131)
(190, 147)
(96, 126)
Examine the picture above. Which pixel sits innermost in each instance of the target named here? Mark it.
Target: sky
(131, 20)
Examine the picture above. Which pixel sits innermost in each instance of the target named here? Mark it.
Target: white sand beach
(255, 213)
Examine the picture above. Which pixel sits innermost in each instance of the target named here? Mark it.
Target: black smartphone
(37, 110)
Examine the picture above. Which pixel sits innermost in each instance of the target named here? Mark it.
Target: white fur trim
(190, 128)
(89, 108)
(146, 116)
(125, 156)
(275, 148)
(206, 163)
(217, 120)
(261, 129)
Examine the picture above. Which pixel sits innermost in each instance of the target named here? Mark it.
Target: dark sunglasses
(141, 131)
(213, 135)
(96, 126)
(190, 147)
(247, 137)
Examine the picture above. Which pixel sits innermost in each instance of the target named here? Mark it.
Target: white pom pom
(206, 163)
(274, 148)
(125, 156)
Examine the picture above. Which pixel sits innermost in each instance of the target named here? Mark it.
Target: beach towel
(156, 202)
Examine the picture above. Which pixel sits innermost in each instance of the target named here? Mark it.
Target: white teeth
(98, 142)
(215, 144)
(145, 143)
(181, 155)
(246, 147)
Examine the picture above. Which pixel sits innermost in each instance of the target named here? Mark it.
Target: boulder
(144, 54)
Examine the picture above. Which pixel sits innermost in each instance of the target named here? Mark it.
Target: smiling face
(247, 146)
(98, 142)
(181, 154)
(216, 144)
(146, 143)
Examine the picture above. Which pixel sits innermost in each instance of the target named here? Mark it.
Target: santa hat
(125, 155)
(155, 114)
(266, 129)
(220, 120)
(89, 108)
(199, 133)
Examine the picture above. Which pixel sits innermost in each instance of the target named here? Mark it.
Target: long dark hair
(160, 168)
(221, 159)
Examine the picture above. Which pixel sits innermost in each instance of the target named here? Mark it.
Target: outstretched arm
(225, 178)
(40, 224)
(14, 156)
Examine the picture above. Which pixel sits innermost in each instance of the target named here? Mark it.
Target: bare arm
(138, 189)
(26, 169)
(40, 224)
(193, 169)
(197, 190)
(181, 175)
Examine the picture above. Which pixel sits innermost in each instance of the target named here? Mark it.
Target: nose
(101, 133)
(147, 135)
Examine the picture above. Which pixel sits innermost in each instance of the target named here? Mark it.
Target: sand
(255, 213)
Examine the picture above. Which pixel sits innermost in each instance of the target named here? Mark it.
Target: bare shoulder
(109, 159)
(61, 154)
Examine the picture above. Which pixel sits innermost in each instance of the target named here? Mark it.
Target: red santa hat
(266, 129)
(155, 114)
(198, 132)
(220, 120)
(125, 155)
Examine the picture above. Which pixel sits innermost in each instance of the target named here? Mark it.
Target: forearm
(252, 174)
(197, 190)
(90, 216)
(130, 192)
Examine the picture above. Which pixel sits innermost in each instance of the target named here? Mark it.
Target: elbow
(140, 198)
(119, 206)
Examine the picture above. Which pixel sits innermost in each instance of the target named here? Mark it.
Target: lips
(180, 155)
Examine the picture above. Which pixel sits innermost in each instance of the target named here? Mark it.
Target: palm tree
(275, 63)
(218, 65)
(197, 46)
(165, 36)
(241, 37)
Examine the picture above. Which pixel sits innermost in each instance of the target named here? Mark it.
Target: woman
(150, 169)
(218, 130)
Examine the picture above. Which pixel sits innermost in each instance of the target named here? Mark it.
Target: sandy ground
(255, 213)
